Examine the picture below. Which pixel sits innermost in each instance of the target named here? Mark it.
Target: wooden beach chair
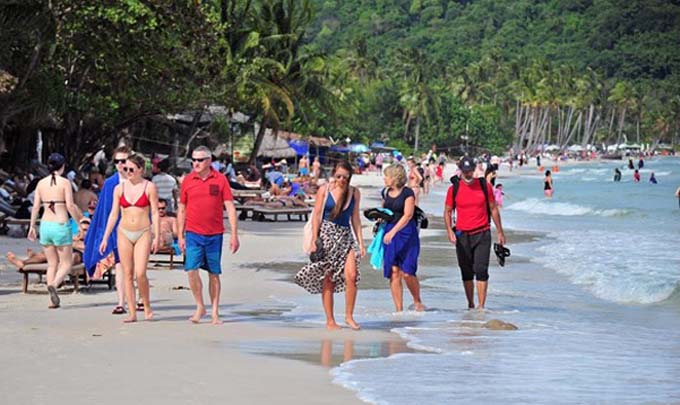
(40, 269)
(7, 221)
(159, 258)
(243, 195)
(301, 212)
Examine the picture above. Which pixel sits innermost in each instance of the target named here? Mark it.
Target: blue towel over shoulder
(95, 233)
(376, 248)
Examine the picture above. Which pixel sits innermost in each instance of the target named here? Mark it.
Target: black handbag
(318, 254)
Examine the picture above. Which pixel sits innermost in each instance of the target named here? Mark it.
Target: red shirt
(204, 201)
(471, 212)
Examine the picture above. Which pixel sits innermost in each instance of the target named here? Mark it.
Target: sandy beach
(81, 353)
(269, 349)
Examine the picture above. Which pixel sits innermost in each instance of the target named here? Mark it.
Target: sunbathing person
(168, 225)
(33, 257)
(280, 202)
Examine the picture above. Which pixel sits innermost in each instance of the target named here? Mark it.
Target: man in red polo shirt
(472, 233)
(203, 195)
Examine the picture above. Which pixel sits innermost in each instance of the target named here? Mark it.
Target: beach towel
(377, 248)
(98, 226)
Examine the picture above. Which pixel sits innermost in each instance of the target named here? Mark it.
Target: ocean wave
(615, 266)
(538, 206)
(674, 297)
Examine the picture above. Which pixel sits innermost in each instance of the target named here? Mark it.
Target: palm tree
(623, 96)
(417, 96)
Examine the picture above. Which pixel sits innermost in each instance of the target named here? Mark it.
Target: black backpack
(455, 180)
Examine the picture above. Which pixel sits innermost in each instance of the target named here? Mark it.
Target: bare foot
(216, 320)
(148, 315)
(352, 324)
(130, 319)
(29, 253)
(333, 326)
(12, 258)
(200, 313)
(419, 306)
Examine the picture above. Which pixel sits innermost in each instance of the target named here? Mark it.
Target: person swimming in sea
(617, 174)
(652, 179)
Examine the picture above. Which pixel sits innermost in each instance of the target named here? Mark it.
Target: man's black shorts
(473, 253)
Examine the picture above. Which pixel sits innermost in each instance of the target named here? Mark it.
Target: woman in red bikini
(134, 199)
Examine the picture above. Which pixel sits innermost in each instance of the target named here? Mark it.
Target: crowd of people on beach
(116, 223)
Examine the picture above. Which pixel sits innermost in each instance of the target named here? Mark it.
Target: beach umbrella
(359, 148)
(339, 149)
(301, 147)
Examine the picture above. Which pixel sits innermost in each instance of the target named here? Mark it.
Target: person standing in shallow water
(335, 261)
(203, 195)
(401, 240)
(652, 179)
(548, 189)
(472, 232)
(677, 195)
(55, 194)
(636, 176)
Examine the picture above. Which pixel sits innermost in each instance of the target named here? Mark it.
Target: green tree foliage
(559, 71)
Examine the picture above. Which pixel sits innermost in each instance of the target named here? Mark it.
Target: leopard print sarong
(336, 242)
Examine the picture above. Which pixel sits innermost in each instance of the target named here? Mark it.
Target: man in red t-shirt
(203, 195)
(472, 234)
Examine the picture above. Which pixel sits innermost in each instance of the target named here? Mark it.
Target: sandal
(118, 310)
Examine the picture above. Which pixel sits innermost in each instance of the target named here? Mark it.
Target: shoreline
(253, 302)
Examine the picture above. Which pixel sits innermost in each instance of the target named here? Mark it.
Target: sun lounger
(41, 269)
(301, 212)
(6, 221)
(158, 258)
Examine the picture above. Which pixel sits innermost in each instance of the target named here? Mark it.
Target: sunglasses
(341, 177)
(119, 161)
(161, 208)
(199, 159)
(129, 169)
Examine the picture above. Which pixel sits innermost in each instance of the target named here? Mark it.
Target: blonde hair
(397, 173)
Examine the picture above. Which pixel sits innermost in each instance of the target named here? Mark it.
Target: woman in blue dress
(401, 241)
(336, 226)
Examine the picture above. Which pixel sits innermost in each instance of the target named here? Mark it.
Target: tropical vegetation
(493, 74)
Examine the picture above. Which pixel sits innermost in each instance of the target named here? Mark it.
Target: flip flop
(54, 297)
(118, 310)
(501, 253)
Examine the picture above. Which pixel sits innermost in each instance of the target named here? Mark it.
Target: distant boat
(612, 156)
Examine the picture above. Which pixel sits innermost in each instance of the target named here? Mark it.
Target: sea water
(595, 299)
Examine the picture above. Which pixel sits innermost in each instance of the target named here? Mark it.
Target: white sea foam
(546, 207)
(634, 270)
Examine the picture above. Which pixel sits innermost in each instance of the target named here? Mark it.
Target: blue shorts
(55, 234)
(304, 171)
(204, 252)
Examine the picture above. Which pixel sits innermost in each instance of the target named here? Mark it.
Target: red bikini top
(142, 201)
